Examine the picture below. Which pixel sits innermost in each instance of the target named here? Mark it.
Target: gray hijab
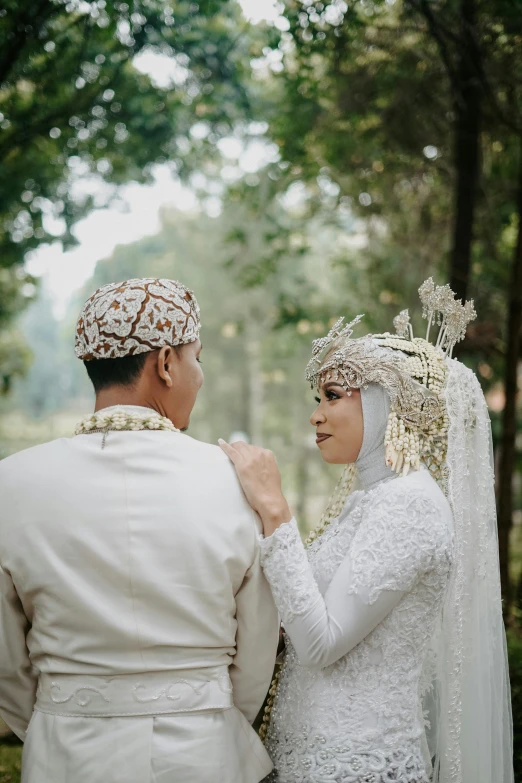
(371, 462)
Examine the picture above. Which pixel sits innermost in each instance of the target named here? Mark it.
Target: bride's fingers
(250, 461)
(242, 447)
(232, 453)
(244, 450)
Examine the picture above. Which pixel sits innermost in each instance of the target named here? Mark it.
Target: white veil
(467, 694)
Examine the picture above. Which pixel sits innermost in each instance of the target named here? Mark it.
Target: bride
(395, 668)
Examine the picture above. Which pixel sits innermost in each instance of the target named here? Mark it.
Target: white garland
(119, 419)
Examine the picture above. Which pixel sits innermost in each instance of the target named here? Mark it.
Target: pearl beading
(424, 439)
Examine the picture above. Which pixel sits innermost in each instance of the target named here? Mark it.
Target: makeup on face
(338, 423)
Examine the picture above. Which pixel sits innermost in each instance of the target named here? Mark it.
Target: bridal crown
(411, 369)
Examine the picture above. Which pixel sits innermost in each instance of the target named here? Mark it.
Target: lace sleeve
(322, 628)
(404, 535)
(286, 567)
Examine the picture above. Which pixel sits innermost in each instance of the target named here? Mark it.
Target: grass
(10, 761)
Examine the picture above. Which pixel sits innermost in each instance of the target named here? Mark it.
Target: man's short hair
(124, 371)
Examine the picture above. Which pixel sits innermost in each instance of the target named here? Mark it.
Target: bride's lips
(321, 436)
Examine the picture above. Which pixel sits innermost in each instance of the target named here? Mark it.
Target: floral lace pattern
(318, 761)
(359, 720)
(278, 557)
(389, 553)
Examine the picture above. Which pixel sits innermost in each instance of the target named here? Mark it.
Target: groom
(137, 632)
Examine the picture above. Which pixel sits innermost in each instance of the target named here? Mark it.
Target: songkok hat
(136, 316)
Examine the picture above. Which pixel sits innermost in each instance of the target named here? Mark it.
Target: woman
(395, 667)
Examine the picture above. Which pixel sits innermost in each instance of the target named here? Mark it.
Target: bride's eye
(331, 395)
(317, 399)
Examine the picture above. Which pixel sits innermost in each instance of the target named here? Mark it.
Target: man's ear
(165, 364)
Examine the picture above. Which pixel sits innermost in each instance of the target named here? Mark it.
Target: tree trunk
(244, 404)
(256, 390)
(302, 485)
(509, 417)
(468, 120)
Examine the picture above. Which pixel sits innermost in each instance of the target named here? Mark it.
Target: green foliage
(16, 289)
(15, 357)
(47, 386)
(362, 105)
(515, 673)
(73, 106)
(99, 110)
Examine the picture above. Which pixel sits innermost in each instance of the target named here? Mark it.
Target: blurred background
(291, 162)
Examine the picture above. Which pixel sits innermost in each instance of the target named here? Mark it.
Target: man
(137, 632)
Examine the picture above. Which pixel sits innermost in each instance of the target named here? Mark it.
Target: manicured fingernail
(220, 441)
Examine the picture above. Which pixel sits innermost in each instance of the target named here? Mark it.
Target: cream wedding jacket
(137, 632)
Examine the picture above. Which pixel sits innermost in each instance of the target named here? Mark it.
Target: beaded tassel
(402, 446)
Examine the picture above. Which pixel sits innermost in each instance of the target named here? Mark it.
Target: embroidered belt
(150, 693)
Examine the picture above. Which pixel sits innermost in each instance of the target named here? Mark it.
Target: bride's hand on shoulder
(261, 481)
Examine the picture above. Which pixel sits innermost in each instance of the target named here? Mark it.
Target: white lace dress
(359, 607)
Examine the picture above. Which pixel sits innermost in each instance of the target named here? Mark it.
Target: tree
(393, 99)
(73, 105)
(411, 112)
(509, 429)
(360, 113)
(454, 27)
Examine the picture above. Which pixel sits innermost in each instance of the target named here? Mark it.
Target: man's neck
(107, 398)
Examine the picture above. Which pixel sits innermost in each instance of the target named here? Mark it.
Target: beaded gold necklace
(123, 418)
(335, 504)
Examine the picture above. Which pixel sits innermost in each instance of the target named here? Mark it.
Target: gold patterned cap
(136, 316)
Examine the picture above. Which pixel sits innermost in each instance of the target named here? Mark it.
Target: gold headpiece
(440, 306)
(412, 370)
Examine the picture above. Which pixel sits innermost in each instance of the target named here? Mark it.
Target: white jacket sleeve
(394, 546)
(256, 641)
(17, 679)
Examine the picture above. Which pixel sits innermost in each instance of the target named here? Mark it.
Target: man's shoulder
(199, 447)
(206, 458)
(199, 451)
(37, 466)
(33, 455)
(215, 474)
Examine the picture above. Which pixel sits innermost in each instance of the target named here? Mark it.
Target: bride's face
(338, 420)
